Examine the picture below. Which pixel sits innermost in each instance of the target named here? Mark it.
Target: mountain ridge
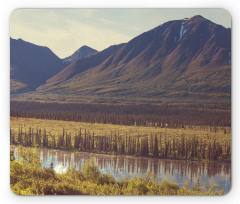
(179, 61)
(31, 65)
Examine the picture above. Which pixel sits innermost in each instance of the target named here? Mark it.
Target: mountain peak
(182, 60)
(85, 47)
(197, 18)
(31, 65)
(81, 53)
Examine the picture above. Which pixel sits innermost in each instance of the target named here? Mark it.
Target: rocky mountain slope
(180, 61)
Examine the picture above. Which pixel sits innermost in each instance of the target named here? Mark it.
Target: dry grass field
(55, 127)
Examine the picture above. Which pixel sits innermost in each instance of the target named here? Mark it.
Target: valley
(151, 116)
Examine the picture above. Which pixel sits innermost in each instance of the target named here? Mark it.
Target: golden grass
(55, 127)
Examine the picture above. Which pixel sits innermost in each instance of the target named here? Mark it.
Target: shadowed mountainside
(31, 65)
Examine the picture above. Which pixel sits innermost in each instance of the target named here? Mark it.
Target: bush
(27, 178)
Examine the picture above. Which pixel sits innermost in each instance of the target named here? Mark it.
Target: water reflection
(60, 169)
(126, 166)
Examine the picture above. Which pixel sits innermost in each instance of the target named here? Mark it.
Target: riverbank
(28, 178)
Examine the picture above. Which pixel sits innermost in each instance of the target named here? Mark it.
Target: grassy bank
(27, 178)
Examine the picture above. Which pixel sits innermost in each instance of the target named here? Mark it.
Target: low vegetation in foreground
(28, 178)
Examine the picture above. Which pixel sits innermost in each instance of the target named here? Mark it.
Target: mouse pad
(120, 101)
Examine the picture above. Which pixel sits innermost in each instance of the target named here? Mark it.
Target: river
(177, 171)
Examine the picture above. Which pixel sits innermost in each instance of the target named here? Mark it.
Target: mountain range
(180, 61)
(31, 65)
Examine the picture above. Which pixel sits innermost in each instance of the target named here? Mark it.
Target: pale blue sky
(65, 30)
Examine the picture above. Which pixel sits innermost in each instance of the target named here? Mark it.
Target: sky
(66, 30)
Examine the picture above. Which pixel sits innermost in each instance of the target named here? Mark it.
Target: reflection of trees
(44, 153)
(137, 165)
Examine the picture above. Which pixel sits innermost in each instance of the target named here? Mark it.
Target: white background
(7, 6)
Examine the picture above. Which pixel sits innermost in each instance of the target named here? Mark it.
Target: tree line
(173, 116)
(155, 145)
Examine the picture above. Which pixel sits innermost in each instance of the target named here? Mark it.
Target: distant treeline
(155, 145)
(174, 116)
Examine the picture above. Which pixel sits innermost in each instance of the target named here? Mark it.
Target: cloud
(106, 21)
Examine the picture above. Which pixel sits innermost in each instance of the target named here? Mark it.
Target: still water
(128, 166)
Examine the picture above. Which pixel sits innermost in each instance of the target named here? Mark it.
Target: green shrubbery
(27, 178)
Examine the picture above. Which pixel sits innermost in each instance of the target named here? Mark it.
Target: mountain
(180, 61)
(81, 65)
(31, 65)
(81, 53)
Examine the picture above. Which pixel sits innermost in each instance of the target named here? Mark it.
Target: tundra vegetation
(28, 178)
(195, 143)
(163, 132)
